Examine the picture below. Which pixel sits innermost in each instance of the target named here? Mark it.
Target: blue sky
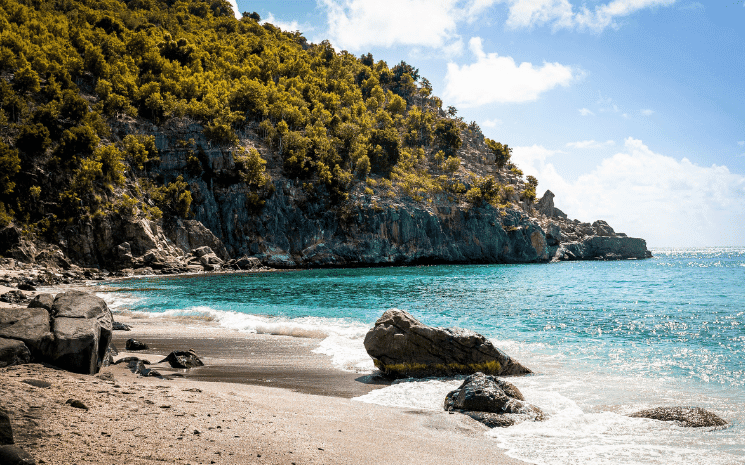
(632, 111)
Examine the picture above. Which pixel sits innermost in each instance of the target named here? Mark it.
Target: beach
(259, 399)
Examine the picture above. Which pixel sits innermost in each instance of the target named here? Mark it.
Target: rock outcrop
(683, 416)
(403, 347)
(492, 401)
(74, 333)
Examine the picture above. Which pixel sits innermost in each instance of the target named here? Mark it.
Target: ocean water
(605, 339)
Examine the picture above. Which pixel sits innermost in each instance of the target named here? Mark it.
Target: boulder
(602, 228)
(6, 430)
(44, 301)
(13, 297)
(116, 326)
(248, 263)
(183, 359)
(683, 416)
(492, 401)
(82, 327)
(14, 455)
(13, 352)
(134, 344)
(403, 347)
(30, 325)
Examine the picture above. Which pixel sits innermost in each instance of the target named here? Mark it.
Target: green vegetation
(71, 71)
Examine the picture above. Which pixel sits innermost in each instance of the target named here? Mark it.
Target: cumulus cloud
(358, 24)
(496, 79)
(667, 201)
(586, 112)
(561, 14)
(285, 26)
(492, 123)
(741, 143)
(236, 11)
(589, 144)
(646, 112)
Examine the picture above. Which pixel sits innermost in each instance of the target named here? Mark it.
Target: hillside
(134, 132)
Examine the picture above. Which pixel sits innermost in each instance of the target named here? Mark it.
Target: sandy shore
(259, 399)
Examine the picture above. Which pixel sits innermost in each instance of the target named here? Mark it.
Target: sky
(630, 111)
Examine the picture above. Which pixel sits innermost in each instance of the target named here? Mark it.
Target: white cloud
(646, 112)
(285, 26)
(667, 201)
(236, 11)
(586, 112)
(492, 123)
(589, 144)
(741, 143)
(561, 14)
(495, 79)
(359, 24)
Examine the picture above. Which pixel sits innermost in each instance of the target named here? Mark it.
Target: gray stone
(13, 297)
(44, 301)
(683, 416)
(11, 454)
(248, 263)
(403, 347)
(134, 344)
(116, 326)
(82, 328)
(183, 359)
(30, 325)
(6, 430)
(492, 401)
(13, 352)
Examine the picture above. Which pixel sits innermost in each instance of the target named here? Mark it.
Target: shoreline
(259, 399)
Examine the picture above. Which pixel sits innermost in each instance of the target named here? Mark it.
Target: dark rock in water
(44, 301)
(134, 344)
(38, 383)
(6, 430)
(183, 359)
(13, 352)
(76, 403)
(14, 455)
(30, 325)
(492, 401)
(690, 417)
(403, 347)
(116, 326)
(130, 360)
(82, 332)
(13, 297)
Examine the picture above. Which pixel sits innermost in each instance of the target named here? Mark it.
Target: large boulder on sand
(30, 325)
(691, 417)
(82, 327)
(492, 401)
(13, 352)
(403, 347)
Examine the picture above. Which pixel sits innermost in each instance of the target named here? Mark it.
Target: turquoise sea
(605, 339)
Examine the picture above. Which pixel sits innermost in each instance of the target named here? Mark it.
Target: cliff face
(296, 228)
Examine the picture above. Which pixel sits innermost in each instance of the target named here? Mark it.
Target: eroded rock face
(492, 401)
(683, 416)
(29, 325)
(403, 347)
(82, 327)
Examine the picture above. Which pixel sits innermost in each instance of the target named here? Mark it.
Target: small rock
(14, 455)
(13, 297)
(6, 430)
(183, 359)
(130, 360)
(107, 376)
(76, 403)
(133, 344)
(37, 383)
(27, 287)
(116, 326)
(688, 417)
(44, 301)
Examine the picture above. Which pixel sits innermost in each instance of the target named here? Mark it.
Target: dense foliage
(70, 69)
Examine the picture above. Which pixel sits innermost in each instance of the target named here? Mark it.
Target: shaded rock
(27, 287)
(38, 383)
(602, 228)
(76, 403)
(44, 301)
(192, 234)
(116, 326)
(82, 332)
(6, 430)
(492, 401)
(14, 455)
(13, 352)
(403, 347)
(248, 263)
(183, 359)
(30, 325)
(129, 360)
(689, 417)
(134, 344)
(13, 297)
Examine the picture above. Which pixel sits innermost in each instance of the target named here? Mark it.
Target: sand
(259, 399)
